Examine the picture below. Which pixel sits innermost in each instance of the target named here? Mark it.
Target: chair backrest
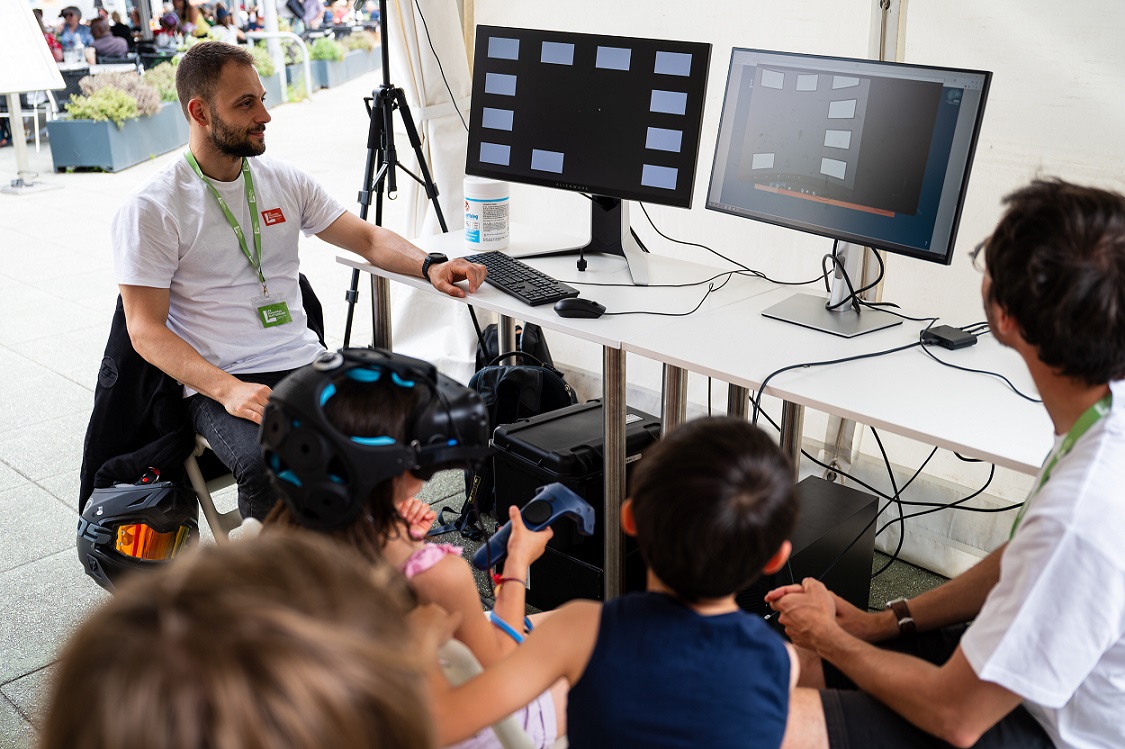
(459, 665)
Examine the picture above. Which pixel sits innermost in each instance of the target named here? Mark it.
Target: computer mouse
(579, 307)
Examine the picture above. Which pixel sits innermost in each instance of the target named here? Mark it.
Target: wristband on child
(504, 627)
(498, 580)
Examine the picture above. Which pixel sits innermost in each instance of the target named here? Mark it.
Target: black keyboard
(521, 280)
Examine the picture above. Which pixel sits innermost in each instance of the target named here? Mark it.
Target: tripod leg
(416, 144)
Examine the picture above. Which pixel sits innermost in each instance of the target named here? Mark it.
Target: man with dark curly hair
(1042, 664)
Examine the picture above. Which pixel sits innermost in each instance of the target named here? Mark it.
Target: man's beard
(233, 142)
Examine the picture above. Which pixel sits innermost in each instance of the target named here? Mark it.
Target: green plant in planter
(361, 40)
(262, 61)
(327, 49)
(103, 105)
(114, 97)
(163, 79)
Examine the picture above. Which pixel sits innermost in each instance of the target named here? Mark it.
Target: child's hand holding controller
(524, 546)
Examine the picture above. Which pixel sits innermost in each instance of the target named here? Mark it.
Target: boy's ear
(628, 522)
(777, 561)
(198, 112)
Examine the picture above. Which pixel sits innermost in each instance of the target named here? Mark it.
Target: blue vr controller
(550, 503)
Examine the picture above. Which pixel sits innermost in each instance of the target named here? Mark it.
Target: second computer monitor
(615, 117)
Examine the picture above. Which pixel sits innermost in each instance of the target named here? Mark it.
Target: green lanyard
(1089, 417)
(248, 183)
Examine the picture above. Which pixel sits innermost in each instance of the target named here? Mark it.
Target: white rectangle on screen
(833, 168)
(838, 138)
(500, 84)
(668, 102)
(502, 48)
(762, 161)
(546, 161)
(773, 79)
(497, 119)
(659, 176)
(613, 58)
(662, 139)
(558, 53)
(673, 63)
(844, 81)
(806, 82)
(495, 153)
(841, 110)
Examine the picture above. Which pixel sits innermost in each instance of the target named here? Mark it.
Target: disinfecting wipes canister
(486, 214)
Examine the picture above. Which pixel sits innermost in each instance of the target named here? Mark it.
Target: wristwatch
(434, 258)
(906, 624)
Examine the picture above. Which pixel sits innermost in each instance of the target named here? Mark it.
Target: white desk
(906, 393)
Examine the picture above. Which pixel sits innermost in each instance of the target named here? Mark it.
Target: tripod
(379, 172)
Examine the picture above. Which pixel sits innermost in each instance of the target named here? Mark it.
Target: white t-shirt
(1053, 628)
(171, 234)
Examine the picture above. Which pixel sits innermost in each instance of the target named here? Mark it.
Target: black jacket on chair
(140, 417)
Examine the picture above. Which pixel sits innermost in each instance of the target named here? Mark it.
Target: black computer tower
(834, 542)
(567, 445)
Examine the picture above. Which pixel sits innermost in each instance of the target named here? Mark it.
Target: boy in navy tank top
(679, 665)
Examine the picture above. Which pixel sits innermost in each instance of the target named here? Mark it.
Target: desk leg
(792, 426)
(674, 409)
(506, 337)
(738, 401)
(381, 312)
(613, 412)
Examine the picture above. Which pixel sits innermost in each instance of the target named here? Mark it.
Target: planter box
(294, 73)
(272, 85)
(86, 143)
(357, 63)
(329, 73)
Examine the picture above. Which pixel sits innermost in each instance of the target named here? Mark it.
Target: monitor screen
(874, 153)
(612, 116)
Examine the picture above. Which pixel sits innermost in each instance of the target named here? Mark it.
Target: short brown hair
(285, 641)
(1056, 262)
(198, 72)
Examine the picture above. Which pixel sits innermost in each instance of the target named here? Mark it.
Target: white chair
(44, 103)
(459, 665)
(221, 524)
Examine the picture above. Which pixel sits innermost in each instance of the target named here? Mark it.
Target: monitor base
(807, 310)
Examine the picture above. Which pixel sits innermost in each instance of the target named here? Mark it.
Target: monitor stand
(811, 311)
(610, 234)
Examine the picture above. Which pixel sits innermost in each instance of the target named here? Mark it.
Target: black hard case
(567, 445)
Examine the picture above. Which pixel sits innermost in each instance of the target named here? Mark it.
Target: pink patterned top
(426, 557)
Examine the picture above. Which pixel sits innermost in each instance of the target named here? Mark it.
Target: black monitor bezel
(681, 198)
(944, 258)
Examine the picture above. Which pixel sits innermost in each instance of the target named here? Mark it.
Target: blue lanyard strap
(1089, 417)
(248, 183)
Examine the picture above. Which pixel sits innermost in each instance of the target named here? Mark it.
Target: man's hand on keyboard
(444, 276)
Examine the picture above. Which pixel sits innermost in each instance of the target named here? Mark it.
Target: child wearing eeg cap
(679, 665)
(362, 414)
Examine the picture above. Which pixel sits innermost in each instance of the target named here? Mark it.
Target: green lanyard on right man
(1085, 422)
(270, 310)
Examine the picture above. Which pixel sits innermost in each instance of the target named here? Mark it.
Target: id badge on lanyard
(270, 310)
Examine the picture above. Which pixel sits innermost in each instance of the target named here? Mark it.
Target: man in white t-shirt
(206, 258)
(1043, 663)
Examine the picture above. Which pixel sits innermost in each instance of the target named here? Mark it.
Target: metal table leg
(381, 312)
(792, 425)
(738, 401)
(674, 408)
(613, 412)
(506, 336)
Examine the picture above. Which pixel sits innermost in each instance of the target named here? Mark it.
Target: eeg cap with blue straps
(325, 475)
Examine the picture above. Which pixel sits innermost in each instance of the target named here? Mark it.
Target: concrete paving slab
(43, 602)
(74, 354)
(30, 393)
(40, 524)
(10, 478)
(64, 488)
(48, 448)
(30, 314)
(15, 731)
(31, 694)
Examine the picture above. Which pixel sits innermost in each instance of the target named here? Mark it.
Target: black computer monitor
(868, 152)
(615, 117)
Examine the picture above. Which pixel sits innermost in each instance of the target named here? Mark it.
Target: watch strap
(432, 259)
(906, 624)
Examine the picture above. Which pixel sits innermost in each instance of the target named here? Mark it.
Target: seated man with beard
(205, 254)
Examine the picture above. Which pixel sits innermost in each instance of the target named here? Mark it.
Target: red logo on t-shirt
(273, 216)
